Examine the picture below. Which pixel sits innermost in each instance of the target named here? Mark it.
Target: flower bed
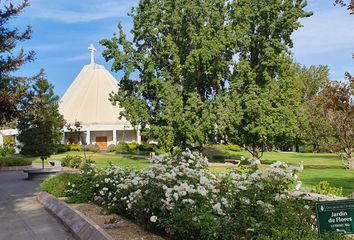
(180, 197)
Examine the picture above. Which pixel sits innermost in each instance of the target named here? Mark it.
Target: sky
(63, 30)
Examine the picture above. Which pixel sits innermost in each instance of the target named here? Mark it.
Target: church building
(87, 101)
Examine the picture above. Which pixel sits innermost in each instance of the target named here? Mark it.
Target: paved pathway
(22, 217)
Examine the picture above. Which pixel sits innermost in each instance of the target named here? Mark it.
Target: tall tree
(263, 76)
(40, 122)
(12, 88)
(175, 69)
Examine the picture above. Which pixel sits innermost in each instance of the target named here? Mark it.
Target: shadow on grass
(267, 162)
(317, 156)
(323, 167)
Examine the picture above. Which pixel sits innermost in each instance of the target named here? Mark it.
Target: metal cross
(92, 49)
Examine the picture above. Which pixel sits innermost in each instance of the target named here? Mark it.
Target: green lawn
(317, 166)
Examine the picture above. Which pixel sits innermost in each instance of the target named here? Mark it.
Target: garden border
(79, 225)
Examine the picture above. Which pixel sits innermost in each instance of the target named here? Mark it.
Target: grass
(317, 166)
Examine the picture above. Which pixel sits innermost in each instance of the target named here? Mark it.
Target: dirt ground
(127, 230)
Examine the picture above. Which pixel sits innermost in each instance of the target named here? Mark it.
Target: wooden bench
(232, 161)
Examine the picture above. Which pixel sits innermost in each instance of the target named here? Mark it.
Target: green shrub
(75, 162)
(83, 188)
(325, 188)
(66, 161)
(112, 148)
(122, 147)
(3, 152)
(62, 148)
(74, 147)
(159, 151)
(69, 147)
(88, 161)
(146, 147)
(132, 147)
(58, 184)
(233, 147)
(14, 161)
(71, 161)
(90, 148)
(7, 151)
(245, 161)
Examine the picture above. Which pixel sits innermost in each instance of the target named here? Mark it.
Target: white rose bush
(180, 197)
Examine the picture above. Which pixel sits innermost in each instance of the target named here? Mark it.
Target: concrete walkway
(21, 215)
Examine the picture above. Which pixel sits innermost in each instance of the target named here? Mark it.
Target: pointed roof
(87, 98)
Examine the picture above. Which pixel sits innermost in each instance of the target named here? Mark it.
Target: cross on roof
(92, 49)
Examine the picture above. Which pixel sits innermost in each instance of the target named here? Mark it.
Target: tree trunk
(351, 164)
(350, 160)
(42, 163)
(255, 152)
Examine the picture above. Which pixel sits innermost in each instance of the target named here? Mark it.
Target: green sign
(335, 216)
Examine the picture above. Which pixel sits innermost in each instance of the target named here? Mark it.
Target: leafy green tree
(40, 122)
(264, 78)
(12, 88)
(175, 70)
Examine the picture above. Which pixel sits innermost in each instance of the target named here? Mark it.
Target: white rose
(153, 219)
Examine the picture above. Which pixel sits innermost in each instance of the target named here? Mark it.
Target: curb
(15, 168)
(79, 225)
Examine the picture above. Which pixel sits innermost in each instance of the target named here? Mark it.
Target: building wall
(10, 132)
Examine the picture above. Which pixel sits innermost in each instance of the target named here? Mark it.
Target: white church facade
(87, 101)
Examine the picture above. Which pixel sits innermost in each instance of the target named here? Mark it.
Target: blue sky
(64, 29)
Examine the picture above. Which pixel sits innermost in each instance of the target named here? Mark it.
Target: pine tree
(40, 122)
(12, 88)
